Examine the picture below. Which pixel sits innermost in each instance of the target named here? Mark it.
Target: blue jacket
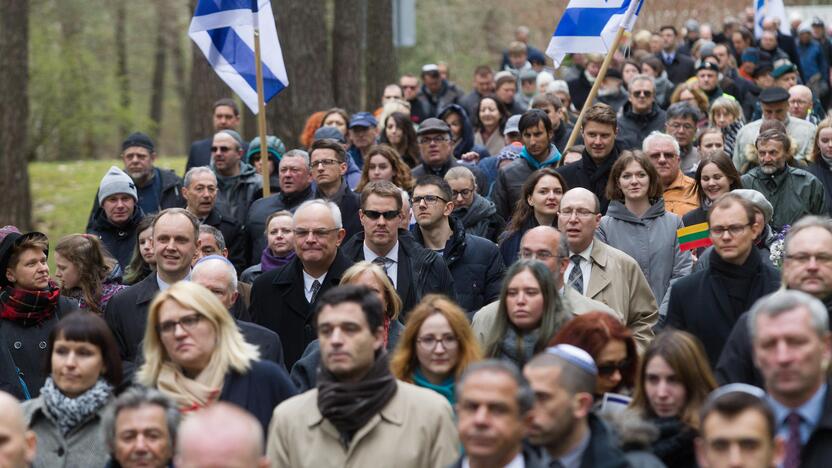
(812, 61)
(259, 390)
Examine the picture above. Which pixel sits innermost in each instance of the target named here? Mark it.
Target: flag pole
(594, 91)
(261, 116)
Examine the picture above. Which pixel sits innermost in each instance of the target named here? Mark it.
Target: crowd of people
(441, 281)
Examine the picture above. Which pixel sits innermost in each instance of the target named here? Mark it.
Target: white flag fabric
(770, 9)
(224, 31)
(590, 26)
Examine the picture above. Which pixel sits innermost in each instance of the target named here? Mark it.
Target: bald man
(17, 444)
(220, 436)
(801, 102)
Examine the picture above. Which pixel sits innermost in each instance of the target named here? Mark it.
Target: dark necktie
(316, 286)
(793, 444)
(576, 276)
(383, 262)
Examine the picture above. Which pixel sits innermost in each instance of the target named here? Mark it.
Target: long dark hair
(408, 149)
(501, 108)
(466, 141)
(138, 269)
(522, 211)
(724, 163)
(88, 327)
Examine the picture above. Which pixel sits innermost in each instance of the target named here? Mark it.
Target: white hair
(656, 135)
(211, 263)
(544, 78)
(558, 86)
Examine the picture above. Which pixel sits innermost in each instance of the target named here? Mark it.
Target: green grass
(63, 192)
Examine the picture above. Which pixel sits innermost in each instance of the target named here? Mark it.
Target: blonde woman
(194, 353)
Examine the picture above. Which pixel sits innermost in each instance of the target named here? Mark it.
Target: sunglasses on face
(609, 369)
(388, 215)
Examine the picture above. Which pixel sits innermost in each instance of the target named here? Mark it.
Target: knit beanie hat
(274, 146)
(138, 139)
(116, 181)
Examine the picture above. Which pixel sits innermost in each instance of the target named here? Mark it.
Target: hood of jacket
(466, 141)
(247, 174)
(617, 210)
(480, 208)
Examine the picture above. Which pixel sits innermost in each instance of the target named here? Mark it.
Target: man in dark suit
(283, 299)
(217, 274)
(708, 303)
(679, 67)
(175, 239)
(226, 116)
(414, 270)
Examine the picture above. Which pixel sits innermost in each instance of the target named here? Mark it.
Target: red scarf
(28, 308)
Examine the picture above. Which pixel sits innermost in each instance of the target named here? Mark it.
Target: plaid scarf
(26, 307)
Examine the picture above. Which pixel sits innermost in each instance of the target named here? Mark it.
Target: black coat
(267, 341)
(24, 348)
(680, 69)
(260, 210)
(823, 172)
(818, 450)
(349, 203)
(278, 303)
(476, 265)
(579, 89)
(232, 232)
(120, 241)
(633, 128)
(419, 272)
(699, 304)
(585, 173)
(170, 196)
(479, 175)
(259, 390)
(126, 314)
(602, 451)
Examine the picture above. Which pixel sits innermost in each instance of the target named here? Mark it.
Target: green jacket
(792, 192)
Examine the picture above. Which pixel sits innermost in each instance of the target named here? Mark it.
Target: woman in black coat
(819, 159)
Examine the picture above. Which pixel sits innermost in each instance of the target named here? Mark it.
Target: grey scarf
(518, 348)
(68, 412)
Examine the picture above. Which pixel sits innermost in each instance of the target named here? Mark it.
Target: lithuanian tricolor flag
(693, 237)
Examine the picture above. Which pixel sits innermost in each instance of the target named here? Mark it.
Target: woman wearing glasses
(637, 223)
(612, 347)
(673, 383)
(195, 354)
(538, 205)
(436, 347)
(529, 314)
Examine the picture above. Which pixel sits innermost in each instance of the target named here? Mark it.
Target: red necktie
(793, 444)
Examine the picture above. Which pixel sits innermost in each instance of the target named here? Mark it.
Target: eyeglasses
(580, 213)
(409, 86)
(677, 126)
(804, 258)
(429, 140)
(734, 229)
(428, 343)
(221, 149)
(430, 200)
(464, 193)
(660, 155)
(541, 255)
(642, 93)
(317, 233)
(609, 369)
(187, 323)
(324, 163)
(388, 215)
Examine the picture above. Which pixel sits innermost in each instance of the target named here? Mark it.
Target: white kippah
(576, 356)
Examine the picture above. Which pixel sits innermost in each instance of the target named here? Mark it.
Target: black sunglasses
(388, 215)
(609, 369)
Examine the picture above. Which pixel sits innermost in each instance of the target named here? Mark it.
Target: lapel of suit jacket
(147, 290)
(403, 274)
(598, 279)
(294, 296)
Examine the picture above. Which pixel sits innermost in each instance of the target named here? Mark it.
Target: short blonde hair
(231, 352)
(725, 104)
(391, 297)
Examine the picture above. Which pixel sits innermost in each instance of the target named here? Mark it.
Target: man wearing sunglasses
(640, 115)
(414, 270)
(238, 183)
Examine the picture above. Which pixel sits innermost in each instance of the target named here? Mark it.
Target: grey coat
(651, 240)
(83, 446)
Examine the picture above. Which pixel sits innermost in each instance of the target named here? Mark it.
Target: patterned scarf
(68, 412)
(349, 405)
(26, 307)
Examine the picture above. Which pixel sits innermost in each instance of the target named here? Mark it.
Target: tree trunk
(301, 29)
(14, 78)
(381, 67)
(180, 76)
(206, 87)
(347, 48)
(157, 90)
(122, 74)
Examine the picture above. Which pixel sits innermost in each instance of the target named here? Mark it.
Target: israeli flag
(770, 9)
(590, 26)
(224, 31)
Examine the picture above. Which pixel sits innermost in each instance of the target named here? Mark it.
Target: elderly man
(225, 115)
(437, 152)
(199, 189)
(549, 246)
(328, 161)
(118, 216)
(793, 192)
(774, 102)
(708, 302)
(414, 270)
(295, 188)
(283, 299)
(477, 213)
(18, 446)
(175, 242)
(800, 104)
(641, 115)
(238, 183)
(140, 429)
(601, 272)
(217, 274)
(807, 267)
(791, 339)
(563, 423)
(156, 189)
(220, 436)
(494, 438)
(663, 152)
(681, 122)
(396, 422)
